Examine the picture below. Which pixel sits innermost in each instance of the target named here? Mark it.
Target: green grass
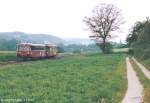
(7, 56)
(73, 79)
(145, 81)
(146, 63)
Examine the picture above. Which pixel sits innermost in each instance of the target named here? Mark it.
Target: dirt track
(27, 61)
(135, 89)
(11, 62)
(145, 71)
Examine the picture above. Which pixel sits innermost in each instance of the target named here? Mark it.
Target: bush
(130, 51)
(61, 49)
(141, 50)
(108, 48)
(141, 45)
(77, 51)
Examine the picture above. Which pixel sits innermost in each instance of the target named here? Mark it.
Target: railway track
(12, 62)
(21, 61)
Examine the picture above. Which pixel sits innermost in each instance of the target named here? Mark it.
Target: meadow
(90, 78)
(7, 56)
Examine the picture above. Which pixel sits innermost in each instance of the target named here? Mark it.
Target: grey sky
(63, 18)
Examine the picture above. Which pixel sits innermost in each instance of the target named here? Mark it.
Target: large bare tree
(105, 19)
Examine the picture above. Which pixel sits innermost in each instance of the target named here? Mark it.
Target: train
(35, 51)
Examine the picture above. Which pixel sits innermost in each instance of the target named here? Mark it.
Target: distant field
(121, 50)
(7, 51)
(73, 79)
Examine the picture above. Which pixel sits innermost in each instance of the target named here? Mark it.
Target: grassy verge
(146, 63)
(73, 79)
(145, 81)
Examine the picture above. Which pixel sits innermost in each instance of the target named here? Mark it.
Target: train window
(23, 48)
(37, 48)
(47, 48)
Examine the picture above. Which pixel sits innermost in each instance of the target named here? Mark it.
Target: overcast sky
(63, 18)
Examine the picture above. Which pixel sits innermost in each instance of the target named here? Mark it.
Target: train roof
(50, 45)
(30, 44)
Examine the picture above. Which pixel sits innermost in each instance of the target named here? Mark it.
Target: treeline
(139, 39)
(73, 48)
(8, 45)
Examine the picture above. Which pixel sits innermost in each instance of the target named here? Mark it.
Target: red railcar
(26, 50)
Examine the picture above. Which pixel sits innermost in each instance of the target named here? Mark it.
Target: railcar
(26, 50)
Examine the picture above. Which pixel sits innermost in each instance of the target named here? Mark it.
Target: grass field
(91, 78)
(7, 56)
(145, 81)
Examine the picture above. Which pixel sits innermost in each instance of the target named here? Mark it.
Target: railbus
(29, 50)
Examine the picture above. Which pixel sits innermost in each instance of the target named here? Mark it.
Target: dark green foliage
(119, 45)
(72, 48)
(61, 48)
(142, 51)
(130, 52)
(77, 51)
(10, 45)
(108, 47)
(135, 32)
(139, 40)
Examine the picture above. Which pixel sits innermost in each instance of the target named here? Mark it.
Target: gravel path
(143, 69)
(135, 89)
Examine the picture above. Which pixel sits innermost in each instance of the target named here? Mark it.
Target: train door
(47, 51)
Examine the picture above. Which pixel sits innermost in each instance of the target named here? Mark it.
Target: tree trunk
(104, 46)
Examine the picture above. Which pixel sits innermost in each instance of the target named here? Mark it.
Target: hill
(78, 41)
(31, 38)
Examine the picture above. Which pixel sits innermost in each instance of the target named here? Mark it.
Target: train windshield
(23, 48)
